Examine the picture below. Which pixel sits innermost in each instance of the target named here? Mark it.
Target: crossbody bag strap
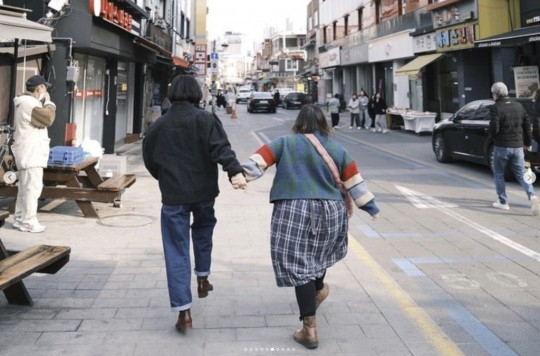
(326, 157)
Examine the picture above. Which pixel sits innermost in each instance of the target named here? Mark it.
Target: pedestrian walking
(231, 99)
(354, 106)
(333, 108)
(510, 129)
(182, 150)
(365, 119)
(371, 111)
(277, 97)
(34, 113)
(309, 219)
(379, 106)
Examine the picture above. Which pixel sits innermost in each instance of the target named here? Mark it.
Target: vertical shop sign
(526, 81)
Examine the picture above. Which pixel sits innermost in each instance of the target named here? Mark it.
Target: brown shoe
(307, 335)
(184, 321)
(321, 295)
(203, 286)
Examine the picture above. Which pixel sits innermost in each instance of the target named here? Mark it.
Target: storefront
(386, 55)
(331, 79)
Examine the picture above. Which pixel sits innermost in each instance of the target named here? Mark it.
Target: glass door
(89, 98)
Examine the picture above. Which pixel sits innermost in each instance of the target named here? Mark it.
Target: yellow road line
(418, 316)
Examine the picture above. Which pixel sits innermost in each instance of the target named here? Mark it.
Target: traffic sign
(214, 56)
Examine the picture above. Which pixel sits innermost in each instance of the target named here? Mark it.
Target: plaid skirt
(307, 237)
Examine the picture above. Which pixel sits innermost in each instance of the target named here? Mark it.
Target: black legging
(305, 296)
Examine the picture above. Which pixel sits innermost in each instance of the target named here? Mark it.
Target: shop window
(291, 65)
(123, 109)
(90, 96)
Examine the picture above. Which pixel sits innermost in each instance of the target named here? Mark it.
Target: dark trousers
(335, 119)
(305, 296)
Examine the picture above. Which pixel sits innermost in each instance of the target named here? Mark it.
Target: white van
(243, 94)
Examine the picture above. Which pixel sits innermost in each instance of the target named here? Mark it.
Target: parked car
(282, 93)
(465, 136)
(243, 95)
(293, 99)
(261, 101)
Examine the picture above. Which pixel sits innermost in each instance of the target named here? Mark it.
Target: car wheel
(273, 110)
(248, 109)
(441, 151)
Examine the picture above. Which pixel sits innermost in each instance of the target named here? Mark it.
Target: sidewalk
(111, 298)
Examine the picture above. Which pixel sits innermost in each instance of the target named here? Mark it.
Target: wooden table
(81, 183)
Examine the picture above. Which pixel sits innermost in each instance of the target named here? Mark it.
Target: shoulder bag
(335, 172)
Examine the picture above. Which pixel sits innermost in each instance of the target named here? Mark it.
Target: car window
(262, 95)
(482, 113)
(467, 112)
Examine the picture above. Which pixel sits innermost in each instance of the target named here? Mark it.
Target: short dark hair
(311, 118)
(185, 88)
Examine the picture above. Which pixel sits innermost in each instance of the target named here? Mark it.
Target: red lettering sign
(109, 10)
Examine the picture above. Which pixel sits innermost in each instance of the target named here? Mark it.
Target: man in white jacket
(34, 112)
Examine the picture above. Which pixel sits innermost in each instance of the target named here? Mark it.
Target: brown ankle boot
(184, 321)
(307, 335)
(203, 286)
(321, 295)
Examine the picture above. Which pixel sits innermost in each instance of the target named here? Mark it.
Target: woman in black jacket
(379, 106)
(182, 150)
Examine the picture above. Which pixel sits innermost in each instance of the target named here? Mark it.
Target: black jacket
(509, 124)
(182, 150)
(379, 106)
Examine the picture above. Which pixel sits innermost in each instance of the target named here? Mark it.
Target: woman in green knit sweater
(309, 219)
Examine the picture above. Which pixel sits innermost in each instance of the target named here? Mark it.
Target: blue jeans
(175, 233)
(516, 158)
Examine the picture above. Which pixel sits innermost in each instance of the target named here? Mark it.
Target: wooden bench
(14, 266)
(117, 183)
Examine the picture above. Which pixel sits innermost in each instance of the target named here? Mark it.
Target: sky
(252, 17)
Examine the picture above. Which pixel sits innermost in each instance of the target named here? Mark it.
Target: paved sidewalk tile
(112, 298)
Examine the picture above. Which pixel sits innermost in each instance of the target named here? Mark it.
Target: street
(441, 272)
(472, 268)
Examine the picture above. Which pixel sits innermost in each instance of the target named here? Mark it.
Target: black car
(261, 101)
(293, 99)
(465, 136)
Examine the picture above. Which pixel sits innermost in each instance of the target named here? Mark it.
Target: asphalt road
(472, 269)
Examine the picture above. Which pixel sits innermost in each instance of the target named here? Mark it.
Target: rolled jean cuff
(201, 274)
(180, 308)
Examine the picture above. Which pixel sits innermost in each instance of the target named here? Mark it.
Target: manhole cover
(127, 220)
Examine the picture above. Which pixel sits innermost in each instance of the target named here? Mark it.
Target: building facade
(425, 55)
(111, 64)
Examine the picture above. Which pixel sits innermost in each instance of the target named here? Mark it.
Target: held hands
(239, 181)
(375, 217)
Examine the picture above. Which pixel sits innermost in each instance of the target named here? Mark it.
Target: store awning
(180, 62)
(15, 26)
(29, 51)
(413, 67)
(513, 38)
